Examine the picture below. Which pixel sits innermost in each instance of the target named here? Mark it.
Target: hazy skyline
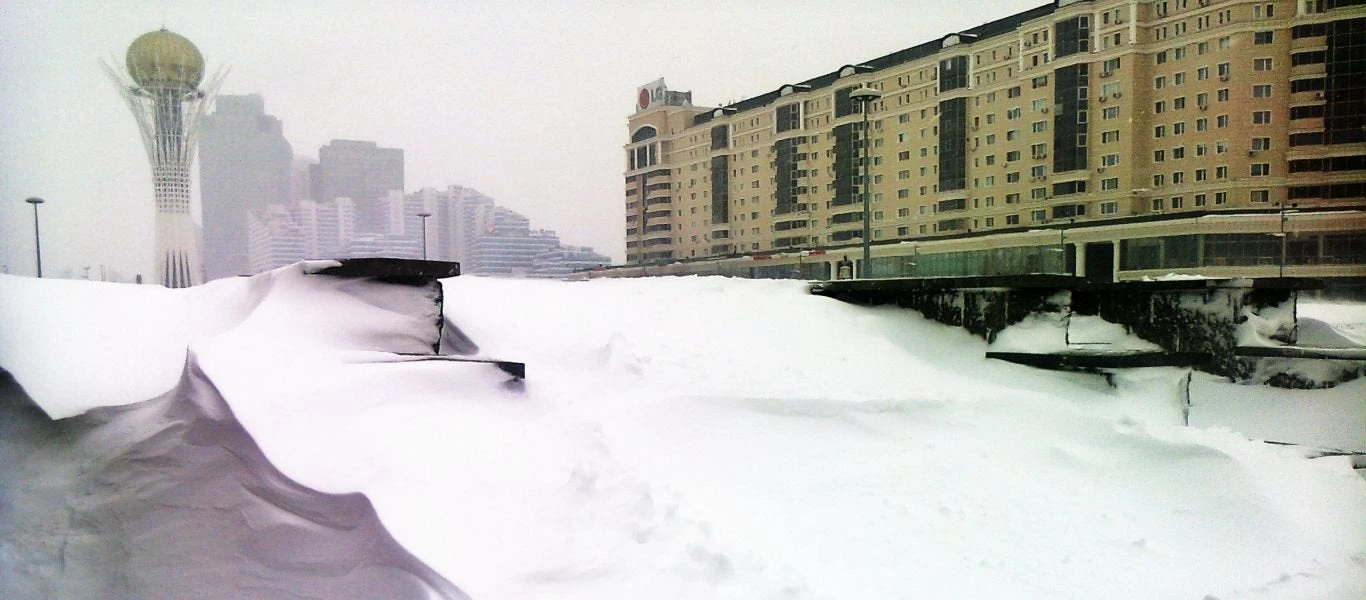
(526, 102)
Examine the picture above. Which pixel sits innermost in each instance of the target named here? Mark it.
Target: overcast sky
(526, 102)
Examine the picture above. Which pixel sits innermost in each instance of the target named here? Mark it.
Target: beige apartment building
(1107, 138)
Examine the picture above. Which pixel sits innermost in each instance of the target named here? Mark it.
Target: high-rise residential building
(363, 172)
(1106, 138)
(244, 167)
(274, 239)
(327, 226)
(505, 245)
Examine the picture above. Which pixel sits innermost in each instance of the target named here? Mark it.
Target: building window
(1110, 112)
(1221, 121)
(1261, 90)
(1178, 202)
(1109, 160)
(1109, 136)
(1178, 128)
(1012, 219)
(1260, 196)
(1159, 180)
(1160, 131)
(1221, 197)
(1109, 183)
(1038, 215)
(1199, 200)
(1201, 174)
(1159, 155)
(1261, 143)
(1109, 208)
(1202, 124)
(1159, 83)
(1262, 37)
(1261, 117)
(1260, 169)
(1160, 106)
(1221, 172)
(1178, 178)
(1261, 64)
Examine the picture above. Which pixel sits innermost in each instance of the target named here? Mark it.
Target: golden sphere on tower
(161, 59)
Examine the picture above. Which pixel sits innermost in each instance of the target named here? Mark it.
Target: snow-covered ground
(719, 438)
(1346, 320)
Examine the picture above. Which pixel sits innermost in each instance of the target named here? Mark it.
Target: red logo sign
(644, 100)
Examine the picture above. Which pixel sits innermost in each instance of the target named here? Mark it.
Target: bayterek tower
(161, 87)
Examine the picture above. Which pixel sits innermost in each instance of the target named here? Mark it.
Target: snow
(1176, 277)
(706, 437)
(1329, 419)
(1346, 320)
(1056, 332)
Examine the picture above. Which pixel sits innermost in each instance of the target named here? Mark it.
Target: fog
(526, 102)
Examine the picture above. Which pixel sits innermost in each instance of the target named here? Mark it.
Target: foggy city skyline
(526, 103)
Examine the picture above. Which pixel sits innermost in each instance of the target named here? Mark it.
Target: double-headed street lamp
(424, 214)
(865, 96)
(37, 240)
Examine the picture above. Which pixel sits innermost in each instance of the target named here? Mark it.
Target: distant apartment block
(464, 226)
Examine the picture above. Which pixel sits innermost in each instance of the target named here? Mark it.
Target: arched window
(644, 133)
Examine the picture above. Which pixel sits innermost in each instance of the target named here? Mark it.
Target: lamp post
(865, 97)
(37, 240)
(1283, 236)
(424, 214)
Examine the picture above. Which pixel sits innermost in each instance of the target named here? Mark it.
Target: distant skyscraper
(363, 172)
(244, 167)
(161, 87)
(301, 176)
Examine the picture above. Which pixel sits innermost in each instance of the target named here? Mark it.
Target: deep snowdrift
(716, 438)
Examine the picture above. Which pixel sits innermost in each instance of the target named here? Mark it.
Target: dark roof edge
(922, 50)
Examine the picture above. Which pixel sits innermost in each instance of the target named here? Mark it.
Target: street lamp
(865, 96)
(37, 240)
(424, 214)
(1283, 237)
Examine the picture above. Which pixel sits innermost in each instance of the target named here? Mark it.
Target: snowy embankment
(716, 438)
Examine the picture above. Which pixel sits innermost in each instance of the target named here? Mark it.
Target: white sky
(524, 101)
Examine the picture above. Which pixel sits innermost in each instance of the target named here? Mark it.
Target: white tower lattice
(161, 88)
